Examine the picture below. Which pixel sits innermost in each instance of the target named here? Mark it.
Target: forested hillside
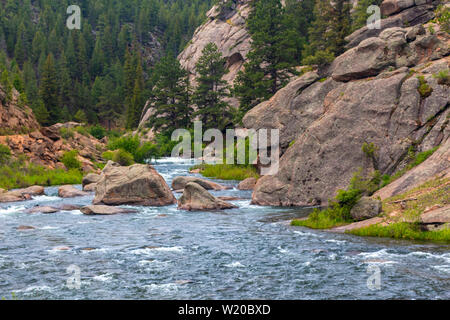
(101, 73)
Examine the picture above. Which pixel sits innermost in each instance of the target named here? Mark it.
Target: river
(245, 253)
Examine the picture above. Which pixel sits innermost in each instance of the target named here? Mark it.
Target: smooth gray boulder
(178, 183)
(70, 191)
(366, 208)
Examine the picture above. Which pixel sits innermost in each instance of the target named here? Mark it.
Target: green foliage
(66, 133)
(320, 58)
(323, 219)
(18, 174)
(170, 97)
(123, 157)
(274, 48)
(97, 131)
(369, 149)
(211, 90)
(424, 88)
(443, 17)
(82, 130)
(70, 160)
(80, 116)
(403, 230)
(108, 155)
(5, 154)
(443, 77)
(228, 171)
(140, 152)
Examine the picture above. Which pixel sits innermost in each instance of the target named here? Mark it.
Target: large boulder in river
(104, 210)
(178, 183)
(70, 192)
(197, 198)
(366, 208)
(247, 184)
(138, 184)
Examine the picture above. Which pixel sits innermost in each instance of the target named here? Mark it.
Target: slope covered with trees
(101, 73)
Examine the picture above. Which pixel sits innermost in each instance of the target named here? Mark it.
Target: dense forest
(105, 72)
(101, 73)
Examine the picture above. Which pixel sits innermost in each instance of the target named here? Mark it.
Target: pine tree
(327, 34)
(49, 90)
(170, 97)
(272, 55)
(137, 101)
(211, 90)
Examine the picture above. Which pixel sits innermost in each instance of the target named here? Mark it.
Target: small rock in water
(69, 207)
(104, 210)
(24, 228)
(70, 192)
(62, 248)
(43, 209)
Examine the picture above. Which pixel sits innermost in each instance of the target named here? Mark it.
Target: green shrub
(443, 77)
(108, 155)
(228, 171)
(5, 154)
(443, 18)
(66, 133)
(70, 160)
(320, 58)
(128, 143)
(82, 130)
(123, 157)
(424, 88)
(146, 151)
(97, 131)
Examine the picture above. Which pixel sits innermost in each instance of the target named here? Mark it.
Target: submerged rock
(70, 192)
(137, 184)
(24, 228)
(248, 184)
(195, 197)
(104, 210)
(366, 208)
(179, 183)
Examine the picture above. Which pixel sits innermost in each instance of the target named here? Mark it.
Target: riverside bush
(5, 154)
(123, 157)
(70, 160)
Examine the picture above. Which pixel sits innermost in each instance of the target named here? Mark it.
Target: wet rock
(137, 184)
(69, 207)
(90, 179)
(24, 228)
(70, 192)
(247, 184)
(197, 198)
(366, 208)
(229, 198)
(178, 183)
(21, 194)
(104, 210)
(358, 225)
(90, 187)
(43, 209)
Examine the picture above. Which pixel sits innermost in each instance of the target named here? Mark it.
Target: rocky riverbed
(167, 253)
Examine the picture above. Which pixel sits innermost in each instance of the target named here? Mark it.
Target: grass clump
(123, 157)
(66, 133)
(424, 88)
(227, 171)
(5, 154)
(403, 230)
(443, 77)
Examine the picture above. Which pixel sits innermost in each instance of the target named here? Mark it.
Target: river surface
(245, 253)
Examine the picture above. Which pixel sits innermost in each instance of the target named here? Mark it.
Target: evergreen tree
(272, 54)
(49, 90)
(211, 90)
(137, 101)
(170, 96)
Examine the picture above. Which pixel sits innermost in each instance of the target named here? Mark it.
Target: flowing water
(245, 253)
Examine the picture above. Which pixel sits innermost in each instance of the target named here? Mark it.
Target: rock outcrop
(178, 183)
(226, 28)
(197, 198)
(385, 91)
(138, 184)
(366, 208)
(14, 117)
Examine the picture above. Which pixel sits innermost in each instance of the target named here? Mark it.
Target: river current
(245, 253)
